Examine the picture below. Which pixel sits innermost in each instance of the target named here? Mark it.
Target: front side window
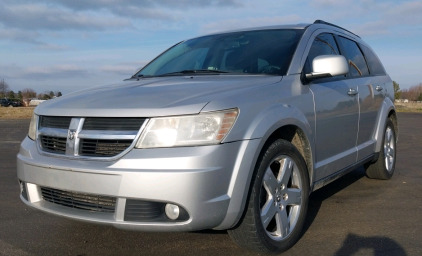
(354, 56)
(250, 52)
(324, 44)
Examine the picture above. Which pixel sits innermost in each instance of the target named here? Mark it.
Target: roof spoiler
(330, 24)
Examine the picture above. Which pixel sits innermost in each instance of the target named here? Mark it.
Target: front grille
(113, 124)
(104, 148)
(88, 202)
(55, 122)
(87, 137)
(53, 144)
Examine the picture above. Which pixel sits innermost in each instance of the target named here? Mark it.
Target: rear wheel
(278, 201)
(384, 167)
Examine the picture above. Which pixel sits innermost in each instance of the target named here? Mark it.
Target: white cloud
(232, 24)
(54, 72)
(43, 17)
(123, 69)
(20, 36)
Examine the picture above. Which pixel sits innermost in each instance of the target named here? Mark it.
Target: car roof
(317, 23)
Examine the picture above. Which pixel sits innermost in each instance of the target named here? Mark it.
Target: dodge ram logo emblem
(71, 134)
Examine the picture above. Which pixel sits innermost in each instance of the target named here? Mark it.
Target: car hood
(161, 96)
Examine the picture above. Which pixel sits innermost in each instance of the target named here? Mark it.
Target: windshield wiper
(195, 71)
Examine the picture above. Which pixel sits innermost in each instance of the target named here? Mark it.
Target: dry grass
(26, 112)
(16, 113)
(409, 107)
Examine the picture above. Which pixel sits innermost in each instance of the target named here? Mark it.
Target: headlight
(33, 127)
(202, 129)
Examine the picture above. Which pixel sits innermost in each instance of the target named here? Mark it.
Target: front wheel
(384, 167)
(278, 201)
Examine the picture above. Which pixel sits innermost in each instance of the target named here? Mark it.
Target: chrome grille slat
(92, 147)
(82, 201)
(53, 144)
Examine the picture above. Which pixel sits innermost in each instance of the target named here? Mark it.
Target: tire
(383, 168)
(278, 202)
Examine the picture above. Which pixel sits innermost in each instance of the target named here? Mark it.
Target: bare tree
(28, 93)
(413, 93)
(4, 88)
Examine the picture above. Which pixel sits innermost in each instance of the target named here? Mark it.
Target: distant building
(35, 102)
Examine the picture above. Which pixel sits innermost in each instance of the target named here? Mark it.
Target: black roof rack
(330, 24)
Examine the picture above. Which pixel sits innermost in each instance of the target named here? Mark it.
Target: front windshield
(250, 52)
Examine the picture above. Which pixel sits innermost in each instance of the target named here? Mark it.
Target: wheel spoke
(389, 134)
(270, 181)
(268, 212)
(286, 166)
(295, 196)
(283, 224)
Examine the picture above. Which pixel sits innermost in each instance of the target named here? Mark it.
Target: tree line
(25, 94)
(414, 93)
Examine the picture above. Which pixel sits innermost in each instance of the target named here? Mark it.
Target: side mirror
(328, 66)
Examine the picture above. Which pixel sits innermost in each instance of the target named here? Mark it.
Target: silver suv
(229, 131)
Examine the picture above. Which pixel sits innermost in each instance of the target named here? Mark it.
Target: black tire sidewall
(389, 124)
(276, 149)
(378, 170)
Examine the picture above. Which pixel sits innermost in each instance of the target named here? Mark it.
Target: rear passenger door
(371, 96)
(337, 113)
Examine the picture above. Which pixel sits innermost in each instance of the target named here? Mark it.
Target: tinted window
(375, 66)
(252, 52)
(354, 56)
(324, 44)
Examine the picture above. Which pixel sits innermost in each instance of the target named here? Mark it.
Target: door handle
(352, 92)
(378, 88)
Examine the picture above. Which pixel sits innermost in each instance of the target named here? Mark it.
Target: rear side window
(324, 44)
(375, 66)
(354, 56)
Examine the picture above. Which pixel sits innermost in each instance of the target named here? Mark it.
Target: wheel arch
(299, 139)
(387, 111)
(392, 115)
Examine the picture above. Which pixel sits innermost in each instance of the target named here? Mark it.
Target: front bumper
(208, 182)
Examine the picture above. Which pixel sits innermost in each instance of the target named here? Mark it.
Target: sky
(69, 45)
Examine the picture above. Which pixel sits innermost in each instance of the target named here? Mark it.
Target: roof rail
(330, 24)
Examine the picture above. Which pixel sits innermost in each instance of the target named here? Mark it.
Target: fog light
(172, 211)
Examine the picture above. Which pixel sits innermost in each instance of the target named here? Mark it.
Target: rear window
(375, 66)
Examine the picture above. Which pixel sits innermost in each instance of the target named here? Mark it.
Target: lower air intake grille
(88, 202)
(103, 148)
(53, 144)
(137, 210)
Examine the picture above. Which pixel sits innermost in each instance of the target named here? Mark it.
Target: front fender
(259, 131)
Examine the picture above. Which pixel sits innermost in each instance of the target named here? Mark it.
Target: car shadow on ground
(353, 244)
(317, 197)
(375, 245)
